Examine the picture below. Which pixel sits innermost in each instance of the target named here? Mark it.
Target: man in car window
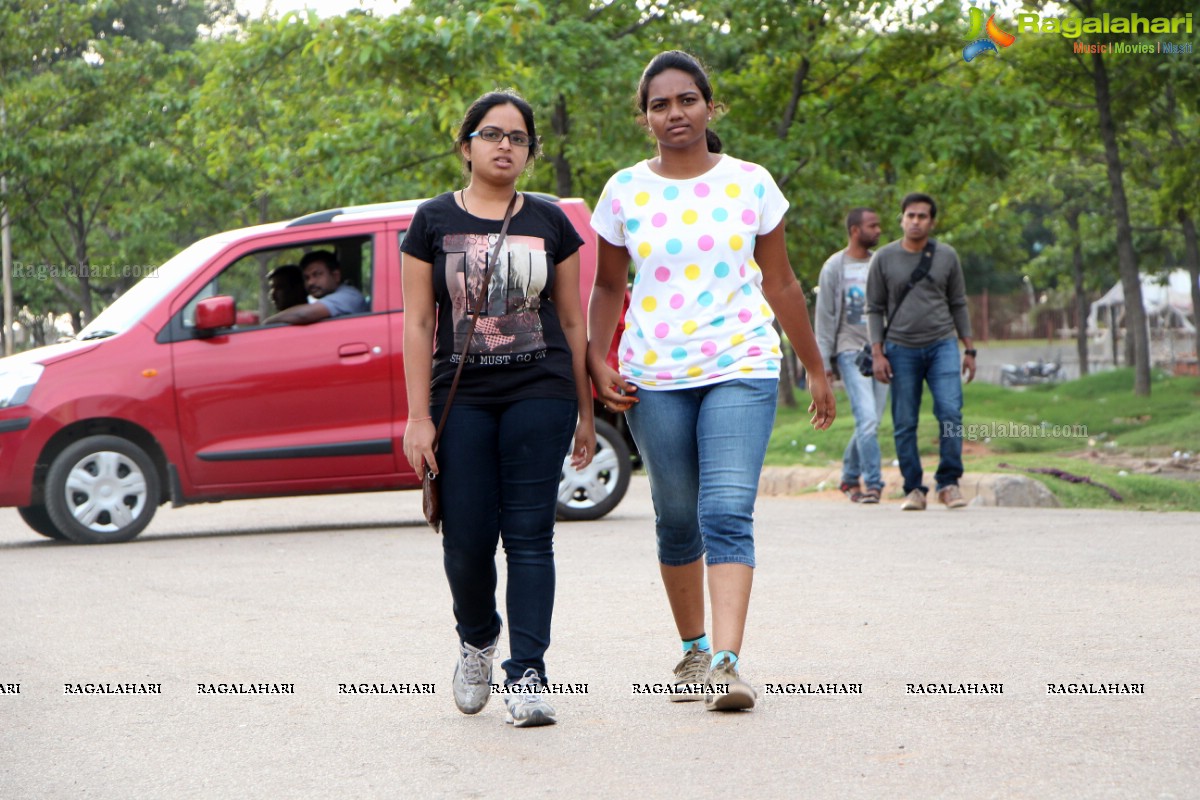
(330, 297)
(286, 285)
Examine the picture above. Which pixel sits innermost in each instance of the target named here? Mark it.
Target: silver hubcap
(106, 491)
(593, 484)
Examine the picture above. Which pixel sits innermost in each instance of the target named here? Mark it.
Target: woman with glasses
(523, 396)
(699, 357)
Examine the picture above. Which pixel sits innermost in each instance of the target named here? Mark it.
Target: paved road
(321, 591)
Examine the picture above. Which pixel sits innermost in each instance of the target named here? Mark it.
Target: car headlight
(16, 383)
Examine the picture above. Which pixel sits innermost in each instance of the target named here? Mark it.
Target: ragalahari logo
(981, 43)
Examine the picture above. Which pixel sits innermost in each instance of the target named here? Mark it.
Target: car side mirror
(215, 312)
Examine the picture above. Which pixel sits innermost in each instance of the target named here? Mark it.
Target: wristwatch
(970, 353)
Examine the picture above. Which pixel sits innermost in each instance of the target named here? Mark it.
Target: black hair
(327, 257)
(289, 274)
(684, 62)
(479, 109)
(919, 197)
(855, 217)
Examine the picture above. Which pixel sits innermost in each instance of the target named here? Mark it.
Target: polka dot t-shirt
(697, 315)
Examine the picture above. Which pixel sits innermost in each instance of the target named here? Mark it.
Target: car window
(246, 280)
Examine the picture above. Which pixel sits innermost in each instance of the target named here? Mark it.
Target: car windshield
(130, 307)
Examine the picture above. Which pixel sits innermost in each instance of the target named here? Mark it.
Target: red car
(178, 392)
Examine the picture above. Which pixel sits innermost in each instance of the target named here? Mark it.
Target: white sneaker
(472, 682)
(526, 703)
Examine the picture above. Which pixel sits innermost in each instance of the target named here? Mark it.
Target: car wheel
(102, 489)
(37, 518)
(595, 490)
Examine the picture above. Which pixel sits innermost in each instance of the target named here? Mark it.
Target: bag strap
(918, 275)
(483, 292)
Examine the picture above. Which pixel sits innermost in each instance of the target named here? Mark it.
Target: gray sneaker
(526, 703)
(690, 674)
(472, 682)
(725, 690)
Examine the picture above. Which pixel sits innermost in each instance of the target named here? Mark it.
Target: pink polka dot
(708, 348)
(663, 274)
(702, 190)
(663, 376)
(748, 217)
(661, 330)
(616, 206)
(629, 354)
(754, 351)
(677, 301)
(742, 270)
(706, 243)
(744, 315)
(659, 219)
(749, 167)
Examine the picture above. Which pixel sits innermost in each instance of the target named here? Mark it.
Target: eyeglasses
(495, 136)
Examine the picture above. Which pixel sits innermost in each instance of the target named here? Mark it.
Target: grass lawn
(1092, 427)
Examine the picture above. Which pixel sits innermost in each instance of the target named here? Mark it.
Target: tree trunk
(1081, 303)
(1135, 313)
(1191, 249)
(560, 123)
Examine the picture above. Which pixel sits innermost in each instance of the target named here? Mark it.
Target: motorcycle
(1031, 372)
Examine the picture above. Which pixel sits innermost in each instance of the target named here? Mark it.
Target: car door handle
(352, 350)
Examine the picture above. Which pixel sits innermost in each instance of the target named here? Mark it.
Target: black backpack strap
(918, 275)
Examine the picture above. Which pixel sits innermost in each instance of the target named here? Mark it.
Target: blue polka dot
(705, 299)
(720, 214)
(724, 361)
(624, 177)
(721, 269)
(637, 373)
(772, 366)
(746, 288)
(637, 277)
(759, 191)
(719, 321)
(760, 331)
(671, 192)
(640, 334)
(679, 353)
(632, 225)
(674, 246)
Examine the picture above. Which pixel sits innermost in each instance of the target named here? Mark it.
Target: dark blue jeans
(500, 468)
(938, 365)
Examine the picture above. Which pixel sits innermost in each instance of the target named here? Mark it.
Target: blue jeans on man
(868, 398)
(938, 365)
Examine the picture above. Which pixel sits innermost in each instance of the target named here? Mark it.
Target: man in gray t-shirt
(841, 317)
(330, 297)
(920, 347)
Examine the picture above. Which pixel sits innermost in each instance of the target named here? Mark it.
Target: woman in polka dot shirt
(699, 365)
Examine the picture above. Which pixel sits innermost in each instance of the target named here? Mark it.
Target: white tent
(1167, 305)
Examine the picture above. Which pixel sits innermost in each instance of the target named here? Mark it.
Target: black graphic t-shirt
(519, 350)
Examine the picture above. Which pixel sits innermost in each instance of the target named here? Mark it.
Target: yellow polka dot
(651, 383)
(737, 339)
(642, 198)
(692, 271)
(766, 310)
(649, 304)
(689, 327)
(690, 217)
(735, 242)
(746, 370)
(695, 372)
(754, 264)
(732, 295)
(733, 190)
(775, 350)
(650, 357)
(644, 249)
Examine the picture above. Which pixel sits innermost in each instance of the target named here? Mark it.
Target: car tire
(37, 518)
(597, 489)
(102, 489)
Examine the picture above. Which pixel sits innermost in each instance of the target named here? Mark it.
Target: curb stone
(979, 488)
